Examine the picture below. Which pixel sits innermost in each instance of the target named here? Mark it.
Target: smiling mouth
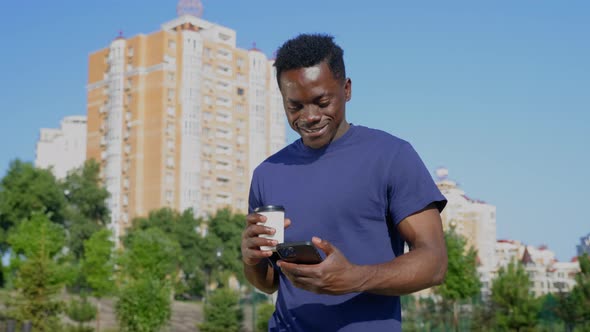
(313, 130)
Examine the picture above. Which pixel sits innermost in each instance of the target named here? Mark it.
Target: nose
(310, 114)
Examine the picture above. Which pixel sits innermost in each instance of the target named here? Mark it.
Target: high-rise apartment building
(180, 118)
(62, 149)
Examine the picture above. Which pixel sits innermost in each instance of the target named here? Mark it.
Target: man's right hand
(251, 242)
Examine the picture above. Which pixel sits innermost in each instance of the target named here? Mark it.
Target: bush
(222, 312)
(144, 306)
(263, 314)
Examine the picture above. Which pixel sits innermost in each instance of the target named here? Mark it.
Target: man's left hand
(335, 275)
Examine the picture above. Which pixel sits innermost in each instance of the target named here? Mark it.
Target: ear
(348, 89)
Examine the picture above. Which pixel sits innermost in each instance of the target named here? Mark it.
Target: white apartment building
(62, 149)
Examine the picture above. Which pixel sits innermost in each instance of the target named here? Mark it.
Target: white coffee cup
(275, 218)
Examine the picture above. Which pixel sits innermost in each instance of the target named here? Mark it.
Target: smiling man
(357, 193)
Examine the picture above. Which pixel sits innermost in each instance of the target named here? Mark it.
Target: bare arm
(424, 266)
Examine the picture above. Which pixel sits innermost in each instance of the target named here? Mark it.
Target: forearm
(262, 276)
(419, 269)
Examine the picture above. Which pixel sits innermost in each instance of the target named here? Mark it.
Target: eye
(293, 108)
(324, 104)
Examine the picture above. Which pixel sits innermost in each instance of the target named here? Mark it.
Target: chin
(316, 144)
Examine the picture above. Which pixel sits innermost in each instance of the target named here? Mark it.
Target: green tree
(515, 306)
(98, 266)
(144, 305)
(222, 312)
(86, 210)
(461, 281)
(146, 271)
(181, 228)
(225, 231)
(263, 314)
(573, 306)
(151, 252)
(81, 311)
(24, 191)
(37, 244)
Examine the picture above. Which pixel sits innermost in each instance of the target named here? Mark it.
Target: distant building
(473, 219)
(547, 275)
(62, 149)
(584, 246)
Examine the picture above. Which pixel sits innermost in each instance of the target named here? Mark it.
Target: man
(358, 193)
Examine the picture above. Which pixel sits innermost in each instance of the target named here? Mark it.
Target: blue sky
(498, 92)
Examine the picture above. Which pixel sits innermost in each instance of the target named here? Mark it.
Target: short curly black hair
(307, 50)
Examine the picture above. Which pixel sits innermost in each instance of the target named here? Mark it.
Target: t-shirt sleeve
(254, 199)
(411, 187)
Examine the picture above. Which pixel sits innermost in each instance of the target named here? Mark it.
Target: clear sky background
(498, 91)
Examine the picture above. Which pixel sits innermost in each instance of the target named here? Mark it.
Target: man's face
(315, 103)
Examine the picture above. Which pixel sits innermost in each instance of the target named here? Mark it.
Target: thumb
(324, 245)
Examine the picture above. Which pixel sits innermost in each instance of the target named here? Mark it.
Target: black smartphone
(299, 252)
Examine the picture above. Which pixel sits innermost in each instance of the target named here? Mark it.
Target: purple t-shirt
(352, 193)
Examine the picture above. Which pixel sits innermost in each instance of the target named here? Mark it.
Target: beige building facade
(180, 118)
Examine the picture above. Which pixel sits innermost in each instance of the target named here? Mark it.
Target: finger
(255, 218)
(324, 245)
(297, 270)
(257, 254)
(257, 242)
(255, 230)
(287, 222)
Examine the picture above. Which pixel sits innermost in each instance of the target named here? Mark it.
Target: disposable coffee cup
(275, 218)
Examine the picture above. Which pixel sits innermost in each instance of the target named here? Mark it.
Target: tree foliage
(147, 268)
(144, 305)
(222, 312)
(263, 314)
(81, 311)
(461, 281)
(86, 210)
(573, 306)
(37, 244)
(26, 190)
(98, 264)
(514, 305)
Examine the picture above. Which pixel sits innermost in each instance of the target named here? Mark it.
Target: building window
(170, 128)
(171, 44)
(169, 196)
(170, 144)
(170, 77)
(240, 91)
(171, 94)
(170, 162)
(169, 179)
(170, 110)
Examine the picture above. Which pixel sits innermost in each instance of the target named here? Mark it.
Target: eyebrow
(316, 99)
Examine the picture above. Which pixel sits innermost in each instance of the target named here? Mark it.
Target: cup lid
(269, 208)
